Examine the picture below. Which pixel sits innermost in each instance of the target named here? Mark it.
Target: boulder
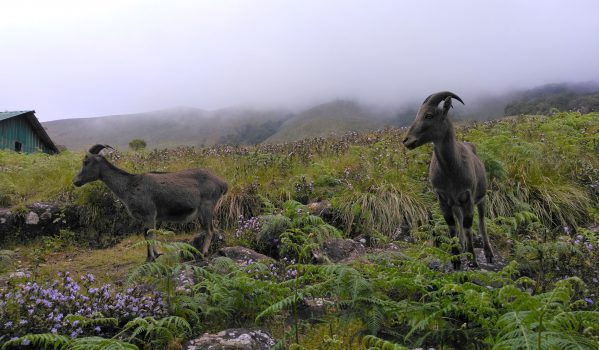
(37, 219)
(403, 233)
(314, 308)
(233, 339)
(242, 254)
(337, 250)
(320, 208)
(325, 210)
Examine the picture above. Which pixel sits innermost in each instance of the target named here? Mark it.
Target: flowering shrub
(248, 228)
(279, 271)
(43, 308)
(304, 190)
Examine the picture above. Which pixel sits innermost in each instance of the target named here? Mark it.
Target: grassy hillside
(243, 126)
(333, 118)
(168, 128)
(582, 97)
(543, 201)
(195, 127)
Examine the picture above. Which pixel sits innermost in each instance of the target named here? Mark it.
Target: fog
(69, 59)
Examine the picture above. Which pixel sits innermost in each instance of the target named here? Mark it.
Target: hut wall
(18, 129)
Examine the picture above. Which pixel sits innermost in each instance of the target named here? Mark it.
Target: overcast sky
(78, 58)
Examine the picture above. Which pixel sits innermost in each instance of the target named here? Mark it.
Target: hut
(20, 131)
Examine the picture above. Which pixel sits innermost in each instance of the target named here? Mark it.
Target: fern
(92, 322)
(545, 321)
(40, 341)
(99, 343)
(157, 332)
(281, 305)
(374, 343)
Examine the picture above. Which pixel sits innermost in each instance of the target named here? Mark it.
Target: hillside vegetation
(169, 128)
(556, 97)
(233, 126)
(543, 208)
(337, 117)
(195, 127)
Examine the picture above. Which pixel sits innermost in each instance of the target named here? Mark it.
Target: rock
(319, 208)
(5, 215)
(435, 264)
(184, 281)
(37, 220)
(233, 339)
(32, 218)
(314, 308)
(336, 250)
(392, 247)
(20, 274)
(498, 263)
(402, 233)
(242, 254)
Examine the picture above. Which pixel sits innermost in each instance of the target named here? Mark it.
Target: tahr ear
(446, 106)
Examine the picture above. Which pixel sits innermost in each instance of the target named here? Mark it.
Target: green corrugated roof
(30, 115)
(6, 115)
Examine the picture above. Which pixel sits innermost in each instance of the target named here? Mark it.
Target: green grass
(546, 164)
(543, 176)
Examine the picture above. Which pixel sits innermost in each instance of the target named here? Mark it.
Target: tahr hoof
(473, 264)
(199, 257)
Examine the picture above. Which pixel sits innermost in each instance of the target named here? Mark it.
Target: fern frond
(281, 305)
(92, 322)
(373, 342)
(40, 341)
(175, 324)
(99, 343)
(155, 269)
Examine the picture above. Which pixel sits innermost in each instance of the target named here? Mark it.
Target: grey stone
(319, 208)
(32, 218)
(242, 254)
(337, 250)
(233, 339)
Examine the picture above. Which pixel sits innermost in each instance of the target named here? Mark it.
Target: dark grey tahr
(153, 197)
(456, 172)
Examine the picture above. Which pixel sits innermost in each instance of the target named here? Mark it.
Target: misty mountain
(170, 127)
(246, 126)
(237, 126)
(582, 97)
(336, 117)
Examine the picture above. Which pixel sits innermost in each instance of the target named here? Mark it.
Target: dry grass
(239, 201)
(383, 209)
(110, 265)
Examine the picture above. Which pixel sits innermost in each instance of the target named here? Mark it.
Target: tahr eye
(428, 116)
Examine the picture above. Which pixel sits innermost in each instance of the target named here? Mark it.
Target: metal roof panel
(7, 114)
